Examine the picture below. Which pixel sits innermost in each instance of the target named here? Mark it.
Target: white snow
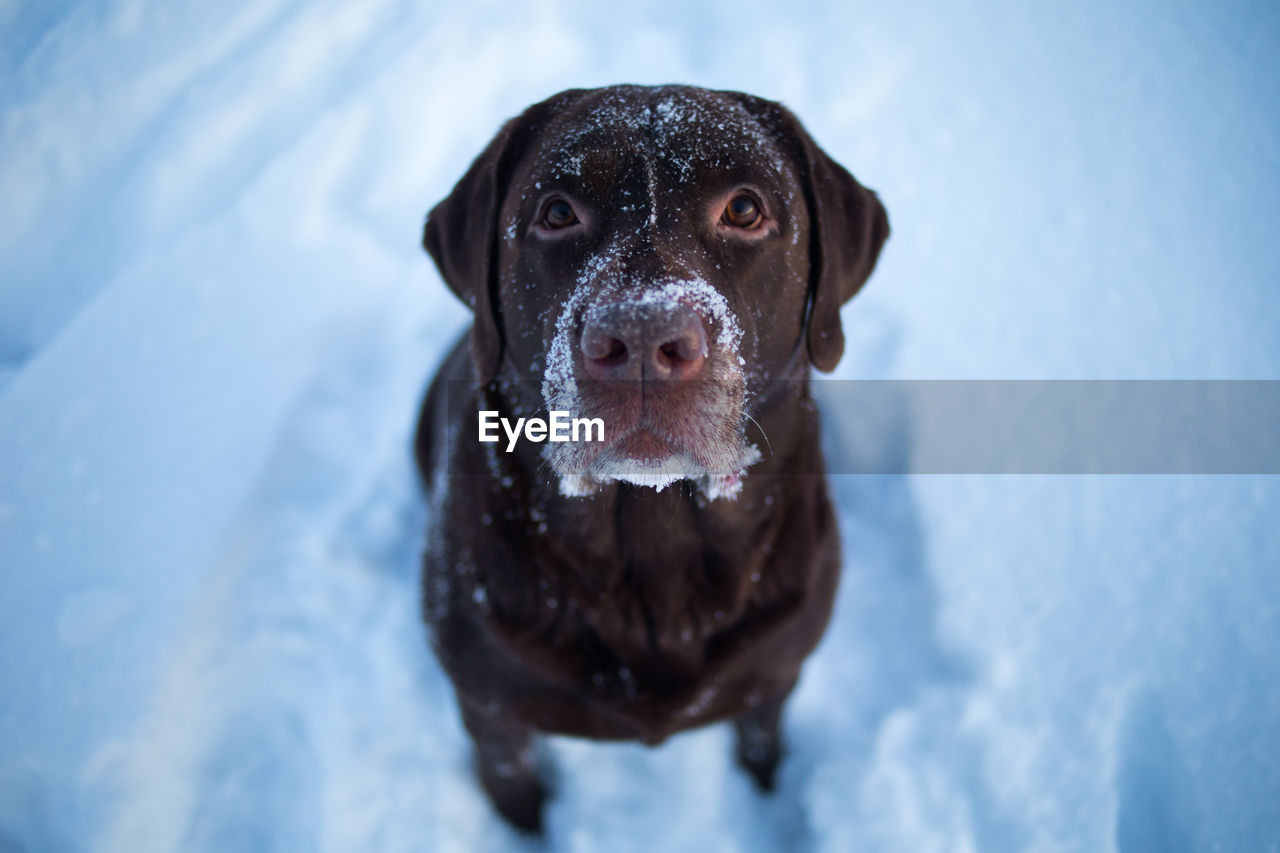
(216, 322)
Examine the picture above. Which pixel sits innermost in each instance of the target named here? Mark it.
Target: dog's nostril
(681, 356)
(604, 348)
(687, 347)
(605, 353)
(617, 351)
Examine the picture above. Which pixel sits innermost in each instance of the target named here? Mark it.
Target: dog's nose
(643, 341)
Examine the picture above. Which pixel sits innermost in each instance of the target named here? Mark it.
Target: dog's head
(653, 256)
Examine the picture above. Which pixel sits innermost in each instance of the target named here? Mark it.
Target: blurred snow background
(215, 323)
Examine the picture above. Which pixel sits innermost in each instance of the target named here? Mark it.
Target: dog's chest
(623, 614)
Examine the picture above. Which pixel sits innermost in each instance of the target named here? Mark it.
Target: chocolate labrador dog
(659, 266)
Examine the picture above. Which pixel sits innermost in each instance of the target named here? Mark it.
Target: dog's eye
(557, 213)
(742, 211)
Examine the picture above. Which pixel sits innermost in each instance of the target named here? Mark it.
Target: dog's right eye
(742, 211)
(557, 214)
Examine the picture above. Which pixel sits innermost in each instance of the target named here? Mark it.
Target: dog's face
(652, 257)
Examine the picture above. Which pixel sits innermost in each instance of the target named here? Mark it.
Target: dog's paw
(516, 790)
(761, 761)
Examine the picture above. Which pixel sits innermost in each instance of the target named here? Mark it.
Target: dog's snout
(638, 341)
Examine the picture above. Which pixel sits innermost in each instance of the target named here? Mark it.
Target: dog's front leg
(759, 740)
(507, 766)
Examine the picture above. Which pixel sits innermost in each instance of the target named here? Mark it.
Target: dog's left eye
(742, 211)
(556, 214)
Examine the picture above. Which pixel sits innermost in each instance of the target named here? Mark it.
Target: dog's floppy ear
(848, 223)
(461, 233)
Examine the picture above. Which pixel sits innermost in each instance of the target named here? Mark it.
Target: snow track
(215, 325)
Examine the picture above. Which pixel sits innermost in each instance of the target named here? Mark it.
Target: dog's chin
(645, 458)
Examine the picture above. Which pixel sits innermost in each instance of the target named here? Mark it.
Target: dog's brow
(682, 130)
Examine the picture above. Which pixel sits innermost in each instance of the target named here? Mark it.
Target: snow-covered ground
(215, 322)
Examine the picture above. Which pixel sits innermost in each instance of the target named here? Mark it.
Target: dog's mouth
(647, 458)
(646, 446)
(655, 432)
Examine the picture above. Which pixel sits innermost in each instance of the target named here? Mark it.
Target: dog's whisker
(763, 434)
